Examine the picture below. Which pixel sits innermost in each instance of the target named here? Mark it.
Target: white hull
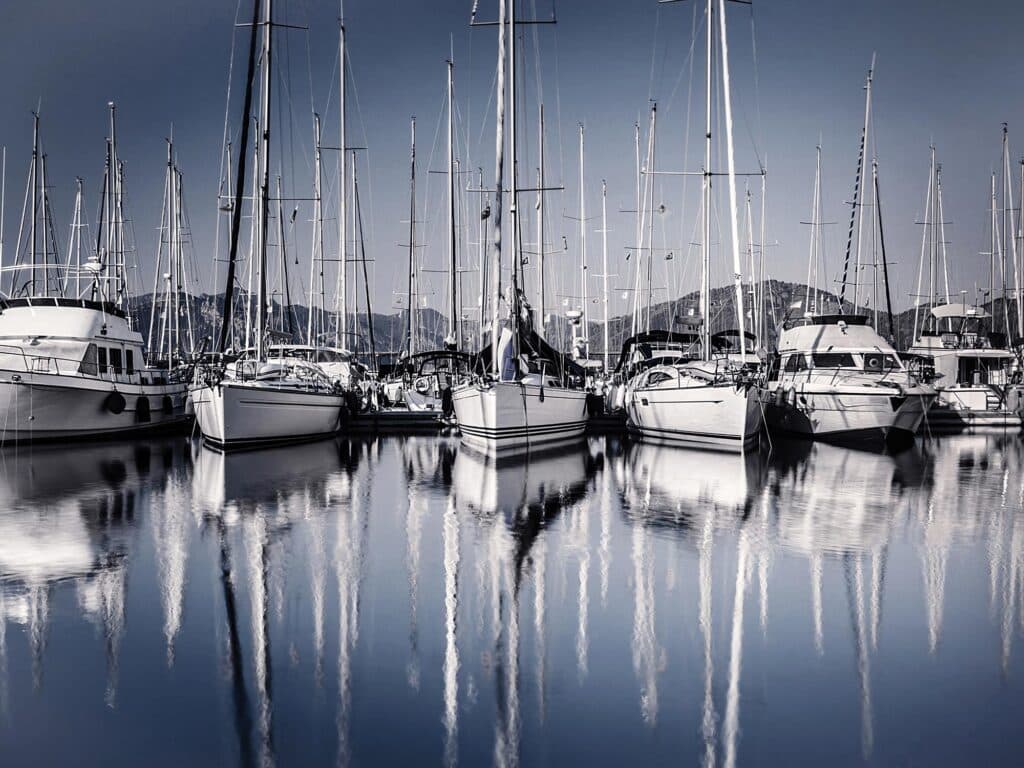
(39, 406)
(717, 416)
(511, 415)
(240, 414)
(850, 413)
(974, 409)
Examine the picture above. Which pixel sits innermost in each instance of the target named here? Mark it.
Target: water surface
(401, 601)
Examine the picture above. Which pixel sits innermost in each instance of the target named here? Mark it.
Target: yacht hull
(509, 415)
(234, 414)
(853, 415)
(972, 410)
(44, 406)
(717, 416)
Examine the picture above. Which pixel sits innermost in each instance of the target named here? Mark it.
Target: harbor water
(403, 601)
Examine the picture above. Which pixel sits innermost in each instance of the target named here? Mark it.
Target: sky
(946, 74)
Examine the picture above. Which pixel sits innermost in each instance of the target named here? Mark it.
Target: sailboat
(423, 380)
(261, 400)
(523, 395)
(708, 402)
(957, 344)
(72, 365)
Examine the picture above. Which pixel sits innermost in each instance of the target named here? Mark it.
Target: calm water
(402, 602)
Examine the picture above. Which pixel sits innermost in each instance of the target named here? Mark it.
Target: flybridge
(107, 307)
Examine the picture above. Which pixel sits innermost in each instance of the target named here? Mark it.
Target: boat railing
(65, 366)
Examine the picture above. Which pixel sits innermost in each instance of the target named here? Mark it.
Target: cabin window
(102, 357)
(833, 360)
(657, 378)
(115, 361)
(796, 363)
(90, 362)
(129, 361)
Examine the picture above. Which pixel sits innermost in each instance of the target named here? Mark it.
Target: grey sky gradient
(947, 72)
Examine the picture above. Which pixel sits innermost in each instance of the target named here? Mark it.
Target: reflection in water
(893, 557)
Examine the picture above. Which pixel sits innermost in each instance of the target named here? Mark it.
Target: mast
(513, 207)
(993, 246)
(236, 209)
(639, 234)
(1009, 235)
(649, 212)
(362, 258)
(585, 315)
(541, 303)
(261, 315)
(35, 198)
(885, 263)
(604, 265)
(737, 268)
(313, 329)
(454, 330)
(410, 341)
(499, 167)
(342, 288)
(3, 202)
(705, 288)
(77, 227)
(856, 199)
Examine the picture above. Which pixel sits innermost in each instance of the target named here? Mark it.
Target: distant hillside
(389, 329)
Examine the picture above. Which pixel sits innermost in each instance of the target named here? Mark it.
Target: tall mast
(44, 222)
(541, 298)
(313, 329)
(705, 288)
(855, 204)
(513, 206)
(604, 265)
(885, 263)
(35, 199)
(762, 286)
(3, 202)
(410, 341)
(236, 208)
(1009, 235)
(649, 213)
(453, 265)
(730, 155)
(584, 319)
(635, 329)
(993, 247)
(342, 288)
(499, 168)
(362, 257)
(77, 225)
(261, 315)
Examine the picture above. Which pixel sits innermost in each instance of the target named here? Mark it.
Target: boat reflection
(69, 516)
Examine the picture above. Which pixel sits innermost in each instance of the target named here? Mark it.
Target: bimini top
(959, 310)
(55, 301)
(654, 337)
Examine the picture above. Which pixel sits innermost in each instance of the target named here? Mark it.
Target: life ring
(423, 385)
(115, 403)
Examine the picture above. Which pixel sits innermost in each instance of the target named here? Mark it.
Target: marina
(464, 385)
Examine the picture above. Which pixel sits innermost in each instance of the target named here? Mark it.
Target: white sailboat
(525, 400)
(71, 363)
(707, 402)
(265, 400)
